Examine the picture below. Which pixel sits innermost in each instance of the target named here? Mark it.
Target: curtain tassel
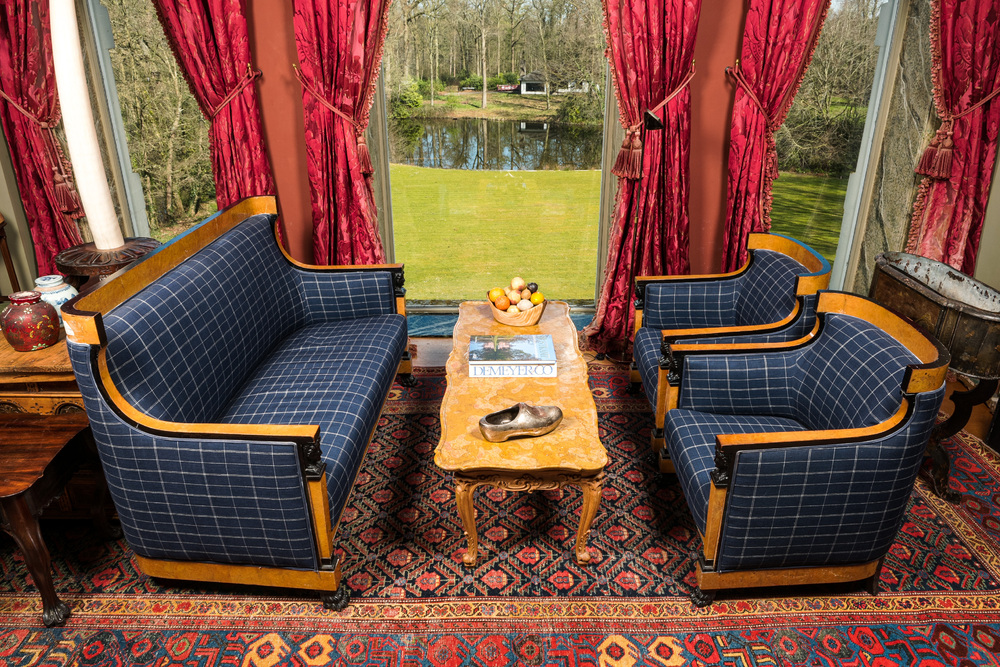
(364, 157)
(937, 158)
(629, 161)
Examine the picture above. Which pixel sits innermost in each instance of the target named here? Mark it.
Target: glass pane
(167, 133)
(485, 192)
(819, 142)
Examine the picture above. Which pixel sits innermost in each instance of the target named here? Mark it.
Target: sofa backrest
(851, 376)
(767, 289)
(180, 348)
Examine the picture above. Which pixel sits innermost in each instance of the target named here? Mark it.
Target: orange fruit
(537, 298)
(502, 302)
(494, 293)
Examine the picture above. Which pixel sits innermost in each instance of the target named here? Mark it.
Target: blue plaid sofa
(232, 394)
(797, 463)
(771, 298)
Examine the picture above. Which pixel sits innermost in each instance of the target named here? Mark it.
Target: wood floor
(431, 352)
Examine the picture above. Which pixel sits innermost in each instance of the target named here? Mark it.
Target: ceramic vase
(29, 323)
(55, 291)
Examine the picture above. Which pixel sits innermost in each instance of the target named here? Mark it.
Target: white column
(78, 122)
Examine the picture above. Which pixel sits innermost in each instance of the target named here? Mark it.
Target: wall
(272, 42)
(18, 239)
(718, 46)
(988, 261)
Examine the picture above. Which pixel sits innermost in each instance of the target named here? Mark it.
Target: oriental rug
(527, 602)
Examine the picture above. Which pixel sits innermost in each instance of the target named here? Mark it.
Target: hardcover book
(512, 356)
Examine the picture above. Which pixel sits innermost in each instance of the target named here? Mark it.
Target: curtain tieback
(629, 161)
(364, 157)
(62, 181)
(247, 79)
(937, 158)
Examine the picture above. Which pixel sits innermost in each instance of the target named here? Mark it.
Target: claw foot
(700, 598)
(56, 615)
(338, 600)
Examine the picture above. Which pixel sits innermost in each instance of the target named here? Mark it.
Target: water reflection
(490, 144)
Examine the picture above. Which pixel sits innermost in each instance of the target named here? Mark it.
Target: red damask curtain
(340, 51)
(651, 51)
(779, 37)
(958, 165)
(209, 39)
(29, 112)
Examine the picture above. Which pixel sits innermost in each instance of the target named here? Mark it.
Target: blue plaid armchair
(772, 298)
(797, 461)
(232, 393)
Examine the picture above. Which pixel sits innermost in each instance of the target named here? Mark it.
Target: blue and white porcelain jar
(55, 291)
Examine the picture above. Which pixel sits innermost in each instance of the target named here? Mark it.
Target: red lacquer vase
(29, 323)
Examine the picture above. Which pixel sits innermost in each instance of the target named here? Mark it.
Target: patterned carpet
(527, 602)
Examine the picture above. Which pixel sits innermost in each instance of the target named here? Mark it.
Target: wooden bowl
(525, 318)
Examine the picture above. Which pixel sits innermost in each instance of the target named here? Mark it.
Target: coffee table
(571, 455)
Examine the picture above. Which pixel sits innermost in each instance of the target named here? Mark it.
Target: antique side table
(38, 454)
(571, 455)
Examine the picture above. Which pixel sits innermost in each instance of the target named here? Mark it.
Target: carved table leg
(23, 527)
(591, 501)
(940, 464)
(464, 494)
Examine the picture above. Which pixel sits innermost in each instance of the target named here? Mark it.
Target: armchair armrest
(686, 302)
(859, 477)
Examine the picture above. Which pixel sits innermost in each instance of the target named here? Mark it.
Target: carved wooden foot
(407, 380)
(700, 598)
(338, 600)
(940, 471)
(23, 527)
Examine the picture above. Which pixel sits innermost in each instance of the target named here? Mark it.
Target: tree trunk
(406, 50)
(434, 65)
(545, 63)
(482, 59)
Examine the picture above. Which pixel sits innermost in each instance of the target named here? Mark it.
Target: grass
(811, 209)
(462, 232)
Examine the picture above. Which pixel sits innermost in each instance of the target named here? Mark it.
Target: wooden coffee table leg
(24, 529)
(591, 502)
(464, 494)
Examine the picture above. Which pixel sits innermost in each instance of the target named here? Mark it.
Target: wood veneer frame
(83, 316)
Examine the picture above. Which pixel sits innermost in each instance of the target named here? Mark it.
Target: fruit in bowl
(519, 304)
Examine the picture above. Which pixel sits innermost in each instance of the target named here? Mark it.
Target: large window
(495, 137)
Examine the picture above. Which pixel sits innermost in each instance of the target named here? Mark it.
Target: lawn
(462, 232)
(811, 209)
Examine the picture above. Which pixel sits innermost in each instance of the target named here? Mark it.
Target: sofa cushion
(335, 375)
(690, 438)
(179, 349)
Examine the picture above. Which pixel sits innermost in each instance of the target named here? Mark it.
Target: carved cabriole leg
(591, 488)
(464, 494)
(940, 463)
(23, 527)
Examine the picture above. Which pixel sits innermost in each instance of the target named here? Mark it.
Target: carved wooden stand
(465, 487)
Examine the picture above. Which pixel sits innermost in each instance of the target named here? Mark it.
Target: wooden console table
(38, 454)
(42, 382)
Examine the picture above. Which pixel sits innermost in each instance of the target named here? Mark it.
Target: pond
(513, 145)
